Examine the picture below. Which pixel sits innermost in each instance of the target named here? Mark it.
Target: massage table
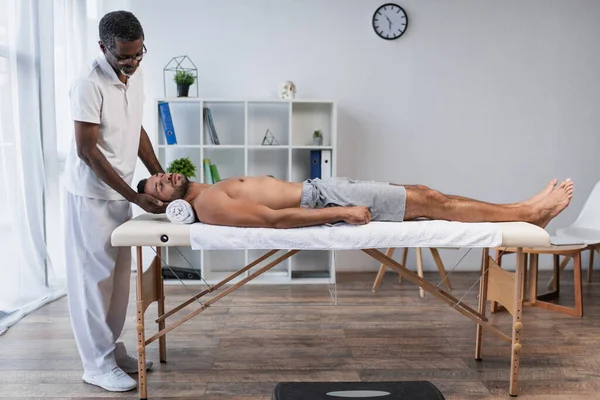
(495, 283)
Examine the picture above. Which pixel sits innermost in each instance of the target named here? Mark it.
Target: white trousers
(97, 279)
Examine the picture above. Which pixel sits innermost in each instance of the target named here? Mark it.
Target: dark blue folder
(315, 164)
(167, 122)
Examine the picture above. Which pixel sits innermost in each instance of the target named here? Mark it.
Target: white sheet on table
(376, 234)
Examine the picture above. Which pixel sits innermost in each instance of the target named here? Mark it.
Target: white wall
(483, 99)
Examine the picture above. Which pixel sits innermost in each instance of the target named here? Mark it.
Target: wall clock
(390, 21)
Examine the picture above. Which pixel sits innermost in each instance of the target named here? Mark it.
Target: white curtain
(29, 279)
(43, 47)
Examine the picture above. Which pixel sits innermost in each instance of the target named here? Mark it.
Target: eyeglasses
(124, 60)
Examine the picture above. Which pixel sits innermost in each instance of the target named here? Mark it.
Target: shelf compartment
(309, 117)
(300, 165)
(274, 162)
(229, 161)
(278, 273)
(185, 257)
(263, 116)
(311, 264)
(228, 120)
(186, 123)
(219, 264)
(167, 154)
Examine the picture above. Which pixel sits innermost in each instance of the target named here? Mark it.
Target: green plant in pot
(318, 137)
(184, 79)
(182, 166)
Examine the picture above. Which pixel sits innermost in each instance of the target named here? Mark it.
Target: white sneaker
(129, 364)
(114, 381)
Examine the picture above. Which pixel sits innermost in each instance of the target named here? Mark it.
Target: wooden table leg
(493, 305)
(440, 266)
(483, 284)
(404, 255)
(160, 290)
(591, 265)
(141, 348)
(577, 277)
(517, 323)
(533, 278)
(420, 269)
(382, 269)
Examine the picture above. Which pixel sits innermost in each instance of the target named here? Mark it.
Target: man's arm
(86, 137)
(147, 155)
(219, 209)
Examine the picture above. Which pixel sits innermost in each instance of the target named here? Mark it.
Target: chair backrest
(589, 217)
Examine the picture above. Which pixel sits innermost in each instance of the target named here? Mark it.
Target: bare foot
(553, 204)
(545, 192)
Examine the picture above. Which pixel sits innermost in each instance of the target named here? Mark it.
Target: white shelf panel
(268, 147)
(242, 100)
(179, 146)
(224, 146)
(241, 146)
(313, 147)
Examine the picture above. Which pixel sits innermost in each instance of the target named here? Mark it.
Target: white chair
(585, 229)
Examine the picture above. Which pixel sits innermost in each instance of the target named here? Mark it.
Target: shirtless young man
(269, 202)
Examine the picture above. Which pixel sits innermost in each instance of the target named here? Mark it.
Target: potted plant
(318, 137)
(184, 79)
(182, 166)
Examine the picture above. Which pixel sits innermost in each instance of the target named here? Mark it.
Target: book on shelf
(215, 173)
(211, 173)
(209, 126)
(167, 122)
(320, 164)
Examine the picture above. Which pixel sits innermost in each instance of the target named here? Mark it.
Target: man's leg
(538, 196)
(90, 262)
(422, 202)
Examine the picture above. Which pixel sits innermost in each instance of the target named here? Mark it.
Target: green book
(207, 171)
(215, 173)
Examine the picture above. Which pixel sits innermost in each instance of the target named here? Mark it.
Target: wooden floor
(260, 335)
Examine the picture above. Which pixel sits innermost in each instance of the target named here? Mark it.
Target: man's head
(122, 41)
(165, 187)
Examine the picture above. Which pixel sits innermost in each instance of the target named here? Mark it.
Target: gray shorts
(386, 202)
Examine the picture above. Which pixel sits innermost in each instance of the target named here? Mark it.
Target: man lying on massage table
(268, 202)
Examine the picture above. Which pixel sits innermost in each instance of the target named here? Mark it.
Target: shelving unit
(241, 126)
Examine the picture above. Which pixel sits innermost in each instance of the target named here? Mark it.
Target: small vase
(183, 90)
(318, 141)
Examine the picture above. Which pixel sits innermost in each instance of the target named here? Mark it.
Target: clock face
(390, 21)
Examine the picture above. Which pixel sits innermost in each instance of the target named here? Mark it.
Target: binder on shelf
(167, 122)
(326, 164)
(315, 164)
(207, 172)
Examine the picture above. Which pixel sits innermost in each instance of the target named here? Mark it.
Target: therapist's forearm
(105, 171)
(147, 155)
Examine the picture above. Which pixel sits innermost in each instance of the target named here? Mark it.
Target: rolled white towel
(180, 212)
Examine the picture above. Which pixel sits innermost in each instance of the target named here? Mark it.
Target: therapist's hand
(150, 204)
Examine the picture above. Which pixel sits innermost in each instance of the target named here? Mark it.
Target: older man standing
(106, 106)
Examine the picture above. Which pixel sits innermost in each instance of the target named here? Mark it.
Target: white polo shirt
(99, 97)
